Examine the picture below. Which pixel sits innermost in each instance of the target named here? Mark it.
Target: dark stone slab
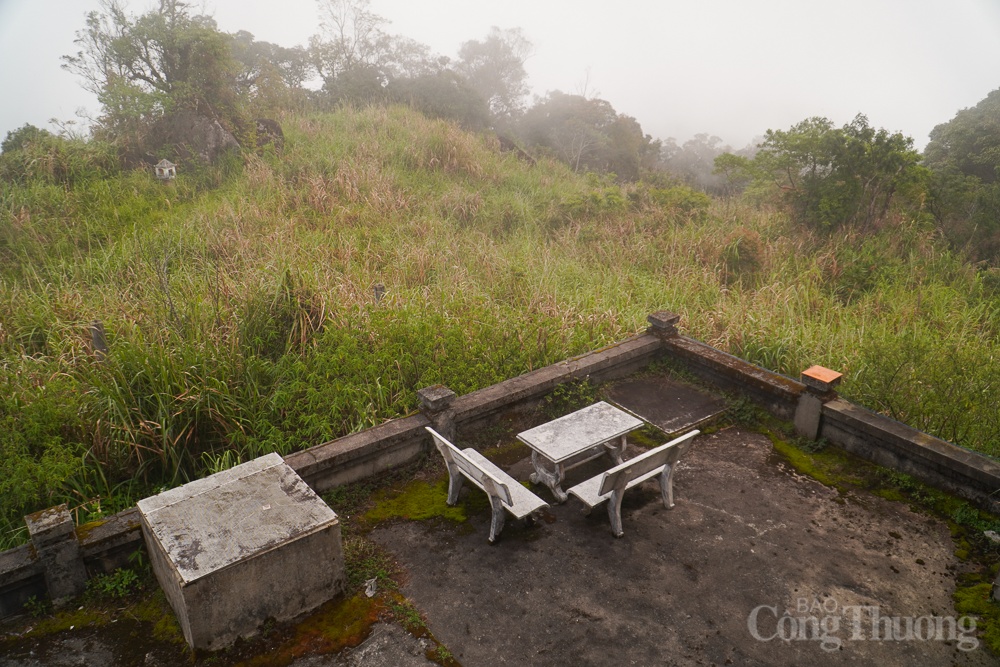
(670, 406)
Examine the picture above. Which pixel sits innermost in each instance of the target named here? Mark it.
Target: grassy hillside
(239, 309)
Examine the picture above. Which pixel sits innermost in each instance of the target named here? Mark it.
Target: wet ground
(756, 565)
(711, 581)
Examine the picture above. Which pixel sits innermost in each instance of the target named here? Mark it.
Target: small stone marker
(241, 546)
(434, 403)
(98, 339)
(435, 398)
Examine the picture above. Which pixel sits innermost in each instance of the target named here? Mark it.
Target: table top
(578, 431)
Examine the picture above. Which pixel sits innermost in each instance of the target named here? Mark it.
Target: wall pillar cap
(50, 526)
(435, 398)
(663, 322)
(821, 379)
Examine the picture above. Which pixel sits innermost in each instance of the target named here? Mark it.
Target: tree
(443, 94)
(270, 77)
(830, 176)
(969, 142)
(351, 36)
(143, 67)
(23, 136)
(629, 151)
(32, 154)
(964, 158)
(588, 135)
(357, 59)
(694, 161)
(495, 69)
(573, 128)
(734, 172)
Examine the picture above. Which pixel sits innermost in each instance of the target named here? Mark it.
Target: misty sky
(733, 68)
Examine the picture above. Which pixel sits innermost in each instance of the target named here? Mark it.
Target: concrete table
(241, 546)
(576, 438)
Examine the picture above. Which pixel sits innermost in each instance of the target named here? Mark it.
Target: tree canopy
(494, 68)
(143, 67)
(588, 135)
(969, 142)
(964, 157)
(829, 176)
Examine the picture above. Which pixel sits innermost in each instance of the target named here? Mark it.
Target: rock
(269, 132)
(191, 137)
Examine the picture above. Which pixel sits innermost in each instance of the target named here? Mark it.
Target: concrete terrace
(758, 564)
(679, 588)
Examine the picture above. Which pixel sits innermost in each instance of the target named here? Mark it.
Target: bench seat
(507, 495)
(611, 486)
(589, 491)
(523, 501)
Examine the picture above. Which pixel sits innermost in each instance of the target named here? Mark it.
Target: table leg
(551, 479)
(617, 451)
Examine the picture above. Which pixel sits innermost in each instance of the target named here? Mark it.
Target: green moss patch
(647, 437)
(974, 598)
(507, 453)
(830, 467)
(68, 620)
(418, 501)
(84, 530)
(339, 624)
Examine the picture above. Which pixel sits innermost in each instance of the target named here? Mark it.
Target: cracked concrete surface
(681, 586)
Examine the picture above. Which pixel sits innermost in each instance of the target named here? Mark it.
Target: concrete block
(242, 546)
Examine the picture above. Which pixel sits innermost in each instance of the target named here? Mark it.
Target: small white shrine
(166, 170)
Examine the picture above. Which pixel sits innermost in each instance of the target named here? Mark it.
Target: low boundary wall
(106, 545)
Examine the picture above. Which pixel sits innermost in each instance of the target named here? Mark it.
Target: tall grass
(240, 315)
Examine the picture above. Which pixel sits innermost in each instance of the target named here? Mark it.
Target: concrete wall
(398, 441)
(900, 447)
(778, 394)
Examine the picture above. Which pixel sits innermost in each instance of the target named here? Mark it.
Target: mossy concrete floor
(682, 586)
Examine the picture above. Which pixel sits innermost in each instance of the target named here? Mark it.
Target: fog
(731, 68)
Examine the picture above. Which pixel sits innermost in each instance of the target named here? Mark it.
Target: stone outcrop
(269, 133)
(189, 136)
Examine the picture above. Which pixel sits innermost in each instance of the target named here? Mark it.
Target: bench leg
(615, 512)
(455, 481)
(666, 480)
(499, 516)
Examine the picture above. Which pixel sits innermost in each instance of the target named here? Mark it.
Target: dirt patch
(682, 585)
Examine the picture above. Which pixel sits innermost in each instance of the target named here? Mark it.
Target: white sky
(733, 68)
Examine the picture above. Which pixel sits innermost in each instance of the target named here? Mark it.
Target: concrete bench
(612, 485)
(506, 493)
